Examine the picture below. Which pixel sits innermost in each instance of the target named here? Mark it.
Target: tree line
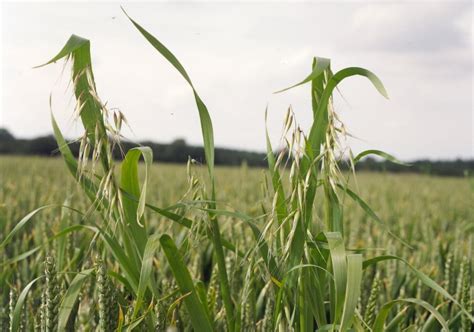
(178, 151)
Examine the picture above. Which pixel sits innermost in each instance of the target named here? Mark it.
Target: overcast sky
(239, 53)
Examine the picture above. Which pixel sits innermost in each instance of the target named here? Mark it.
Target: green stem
(327, 206)
(302, 304)
(221, 268)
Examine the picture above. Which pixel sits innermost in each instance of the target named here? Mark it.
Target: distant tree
(45, 145)
(5, 135)
(179, 142)
(178, 151)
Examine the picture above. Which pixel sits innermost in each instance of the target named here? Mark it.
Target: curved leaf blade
(206, 123)
(151, 247)
(16, 316)
(423, 277)
(384, 311)
(22, 223)
(199, 318)
(70, 298)
(354, 281)
(379, 153)
(339, 267)
(74, 43)
(321, 65)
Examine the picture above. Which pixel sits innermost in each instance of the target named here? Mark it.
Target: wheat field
(432, 214)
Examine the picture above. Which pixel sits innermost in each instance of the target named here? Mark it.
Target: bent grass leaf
(63, 147)
(26, 219)
(321, 65)
(22, 223)
(318, 129)
(129, 177)
(379, 153)
(129, 268)
(74, 43)
(356, 198)
(208, 138)
(28, 253)
(181, 220)
(339, 268)
(206, 123)
(423, 278)
(199, 318)
(129, 182)
(77, 49)
(262, 245)
(354, 280)
(281, 209)
(16, 316)
(87, 184)
(21, 256)
(146, 277)
(385, 310)
(70, 298)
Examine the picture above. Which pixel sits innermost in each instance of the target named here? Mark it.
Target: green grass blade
(319, 127)
(318, 279)
(146, 277)
(385, 310)
(89, 187)
(318, 84)
(77, 49)
(20, 257)
(297, 242)
(379, 153)
(354, 279)
(356, 71)
(262, 245)
(16, 316)
(423, 278)
(208, 138)
(375, 260)
(129, 266)
(281, 209)
(22, 223)
(339, 268)
(356, 198)
(62, 241)
(70, 298)
(121, 279)
(206, 123)
(202, 293)
(74, 43)
(181, 220)
(199, 319)
(28, 253)
(130, 183)
(310, 163)
(63, 147)
(321, 64)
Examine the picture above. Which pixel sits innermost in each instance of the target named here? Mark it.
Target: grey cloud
(415, 27)
(237, 55)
